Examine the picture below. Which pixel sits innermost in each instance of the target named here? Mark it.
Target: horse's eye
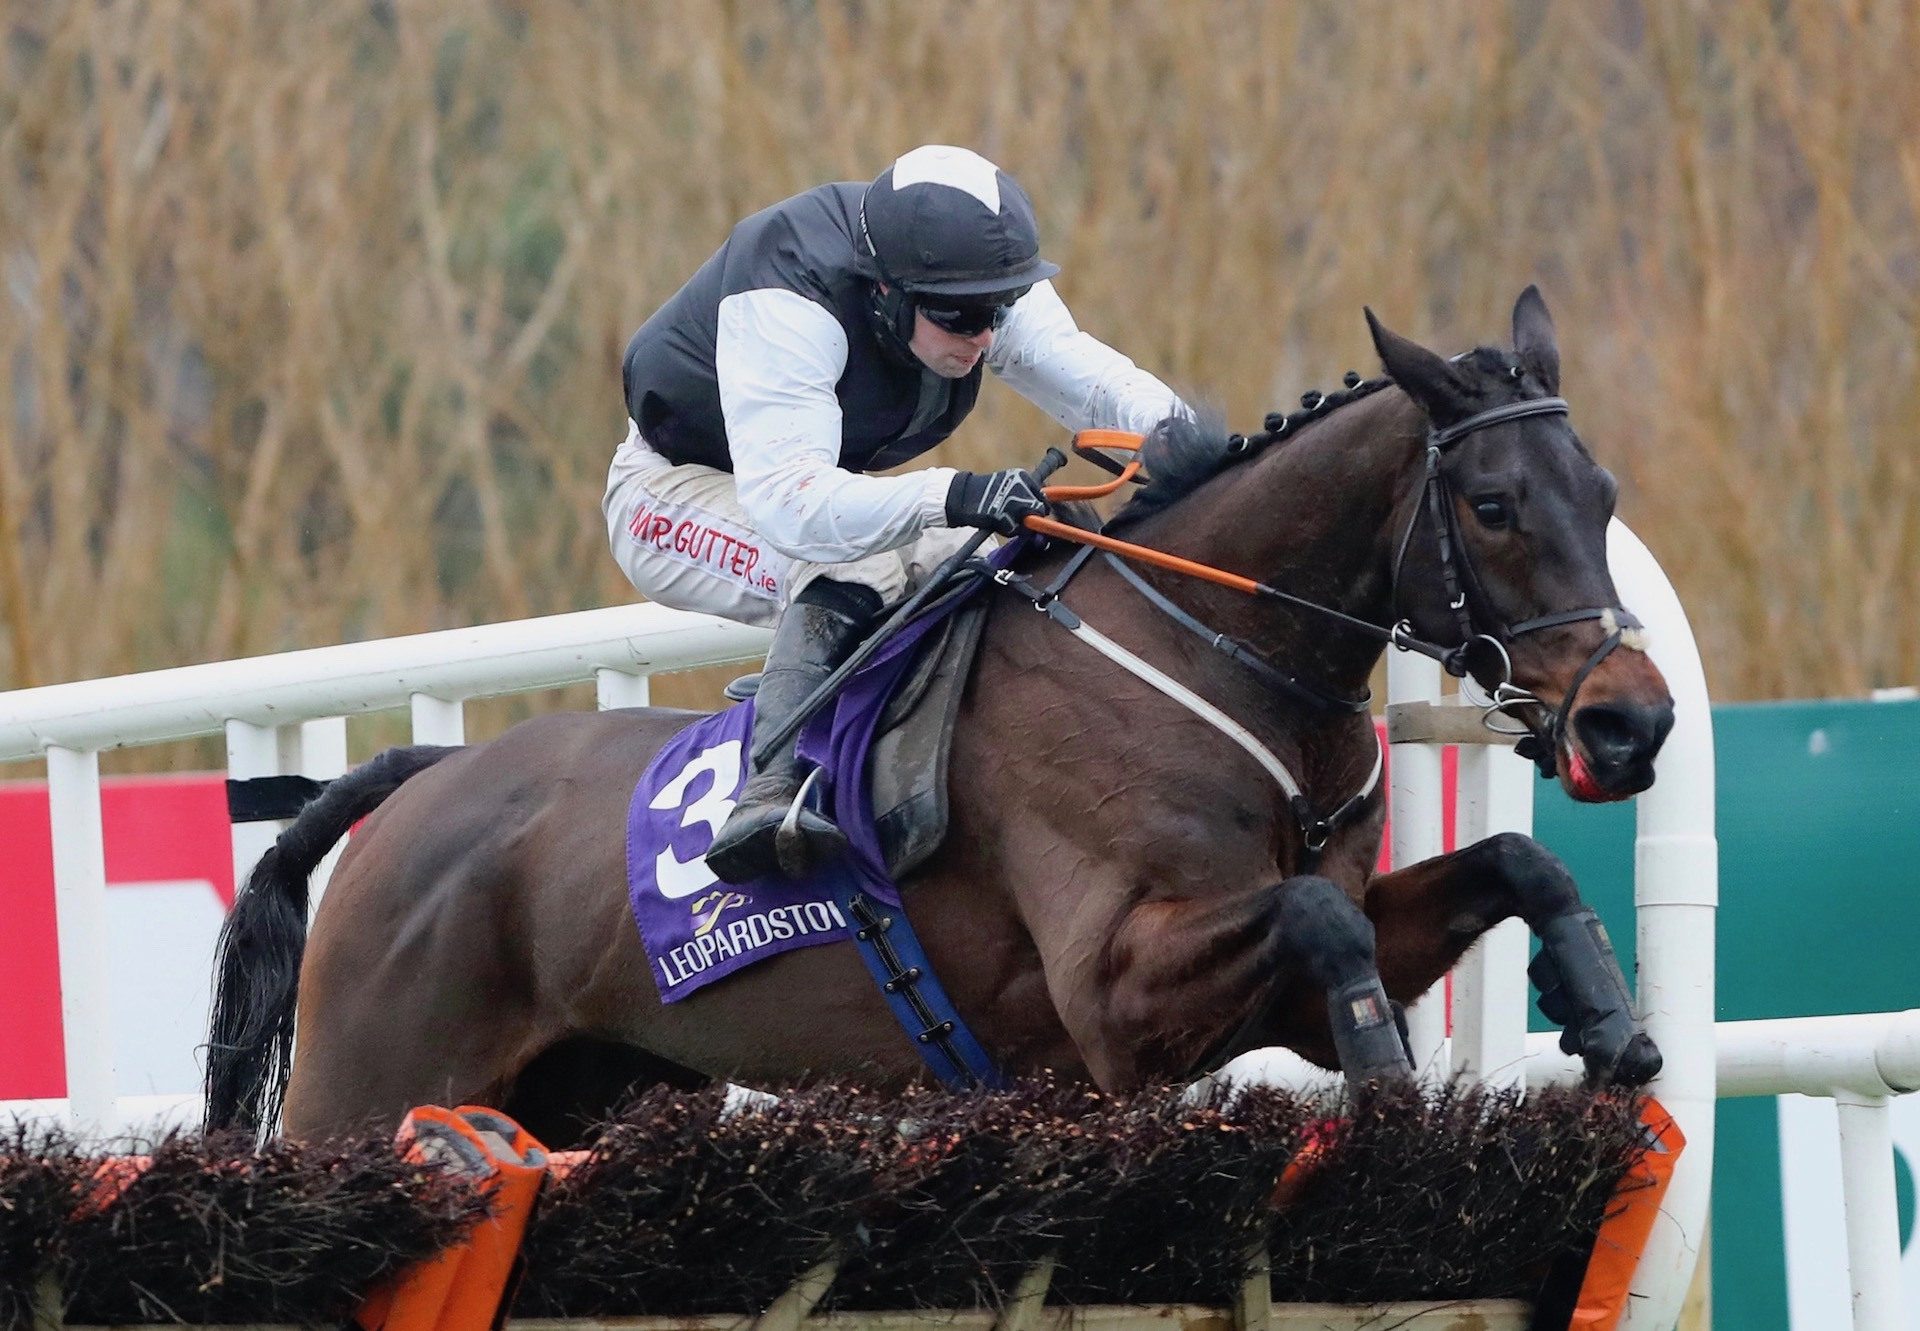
(1492, 512)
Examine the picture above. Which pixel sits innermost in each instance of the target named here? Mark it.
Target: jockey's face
(948, 355)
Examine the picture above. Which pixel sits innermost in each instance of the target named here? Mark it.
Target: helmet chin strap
(891, 311)
(889, 305)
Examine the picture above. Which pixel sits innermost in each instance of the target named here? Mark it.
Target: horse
(1127, 894)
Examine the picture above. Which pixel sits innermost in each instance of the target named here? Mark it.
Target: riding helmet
(944, 221)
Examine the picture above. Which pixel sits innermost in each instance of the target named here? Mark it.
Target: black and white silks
(764, 364)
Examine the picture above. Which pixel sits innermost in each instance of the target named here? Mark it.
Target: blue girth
(840, 740)
(899, 966)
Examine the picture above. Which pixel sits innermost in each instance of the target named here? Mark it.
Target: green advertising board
(1819, 830)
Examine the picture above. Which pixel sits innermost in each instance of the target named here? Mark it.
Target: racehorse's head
(1502, 547)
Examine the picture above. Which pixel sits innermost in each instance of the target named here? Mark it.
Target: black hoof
(1640, 1063)
(1615, 1054)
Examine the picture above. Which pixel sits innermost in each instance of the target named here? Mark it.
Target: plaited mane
(1181, 455)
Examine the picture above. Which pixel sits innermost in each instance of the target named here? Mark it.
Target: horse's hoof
(1615, 1054)
(1639, 1063)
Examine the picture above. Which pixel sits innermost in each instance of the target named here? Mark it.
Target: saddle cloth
(884, 746)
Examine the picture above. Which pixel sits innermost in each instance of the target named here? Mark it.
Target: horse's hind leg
(581, 1081)
(1427, 915)
(364, 1059)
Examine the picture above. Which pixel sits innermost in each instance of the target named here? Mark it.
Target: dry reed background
(311, 311)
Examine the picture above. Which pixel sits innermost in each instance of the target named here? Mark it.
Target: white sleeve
(1074, 377)
(777, 357)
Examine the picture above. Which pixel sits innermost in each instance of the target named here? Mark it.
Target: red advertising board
(155, 829)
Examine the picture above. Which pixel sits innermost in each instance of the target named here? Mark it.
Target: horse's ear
(1533, 339)
(1426, 378)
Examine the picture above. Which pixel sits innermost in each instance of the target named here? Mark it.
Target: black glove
(997, 500)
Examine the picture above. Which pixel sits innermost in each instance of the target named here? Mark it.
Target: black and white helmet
(945, 224)
(947, 221)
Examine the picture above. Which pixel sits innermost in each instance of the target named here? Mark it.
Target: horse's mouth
(1602, 783)
(1607, 747)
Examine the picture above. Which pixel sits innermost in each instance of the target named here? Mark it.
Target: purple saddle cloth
(696, 929)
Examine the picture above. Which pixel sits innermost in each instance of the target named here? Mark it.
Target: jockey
(838, 333)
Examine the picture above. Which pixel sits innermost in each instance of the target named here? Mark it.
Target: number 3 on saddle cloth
(883, 745)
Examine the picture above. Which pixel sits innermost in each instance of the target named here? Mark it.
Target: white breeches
(681, 537)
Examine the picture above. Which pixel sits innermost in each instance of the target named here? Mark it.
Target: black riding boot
(824, 624)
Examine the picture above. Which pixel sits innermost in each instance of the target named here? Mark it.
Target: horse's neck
(1317, 517)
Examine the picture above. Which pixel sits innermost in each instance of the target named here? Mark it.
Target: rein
(1478, 655)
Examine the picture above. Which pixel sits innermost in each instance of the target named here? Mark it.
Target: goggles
(969, 318)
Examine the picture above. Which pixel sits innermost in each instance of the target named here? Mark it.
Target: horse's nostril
(1662, 722)
(1620, 733)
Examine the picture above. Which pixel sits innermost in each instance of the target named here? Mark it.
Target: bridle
(1483, 656)
(1478, 655)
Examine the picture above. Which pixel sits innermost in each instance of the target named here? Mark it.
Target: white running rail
(287, 714)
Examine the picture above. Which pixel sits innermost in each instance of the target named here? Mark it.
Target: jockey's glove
(997, 500)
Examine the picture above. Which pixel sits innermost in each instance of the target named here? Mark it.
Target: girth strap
(894, 957)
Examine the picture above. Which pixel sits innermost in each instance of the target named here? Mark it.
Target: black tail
(257, 960)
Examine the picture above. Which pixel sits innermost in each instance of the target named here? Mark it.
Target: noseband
(1484, 655)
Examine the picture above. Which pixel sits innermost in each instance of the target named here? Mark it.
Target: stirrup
(799, 848)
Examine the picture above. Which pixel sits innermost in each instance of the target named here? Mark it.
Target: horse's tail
(257, 959)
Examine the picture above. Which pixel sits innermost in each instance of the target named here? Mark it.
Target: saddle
(913, 745)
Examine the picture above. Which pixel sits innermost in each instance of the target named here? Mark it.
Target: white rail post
(1490, 983)
(1414, 797)
(323, 756)
(80, 907)
(620, 688)
(256, 751)
(1873, 1217)
(438, 720)
(1676, 894)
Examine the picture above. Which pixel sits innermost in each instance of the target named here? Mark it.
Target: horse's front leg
(1198, 980)
(1427, 915)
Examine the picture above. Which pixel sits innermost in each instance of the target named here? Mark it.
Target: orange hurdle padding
(465, 1287)
(111, 1178)
(482, 1292)
(1623, 1234)
(411, 1300)
(1315, 1143)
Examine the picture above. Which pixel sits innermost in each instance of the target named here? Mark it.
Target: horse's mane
(1183, 453)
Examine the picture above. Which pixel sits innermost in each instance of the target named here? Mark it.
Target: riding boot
(822, 627)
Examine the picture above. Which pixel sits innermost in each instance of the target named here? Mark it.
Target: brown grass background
(311, 310)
